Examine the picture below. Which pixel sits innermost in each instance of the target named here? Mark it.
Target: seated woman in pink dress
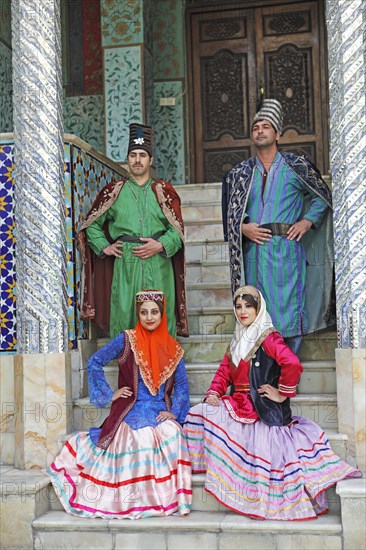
(137, 464)
(260, 460)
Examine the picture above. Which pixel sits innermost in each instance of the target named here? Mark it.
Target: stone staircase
(210, 525)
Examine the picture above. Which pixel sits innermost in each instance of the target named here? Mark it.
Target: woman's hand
(165, 415)
(213, 400)
(272, 393)
(122, 392)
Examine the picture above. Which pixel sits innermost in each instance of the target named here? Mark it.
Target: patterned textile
(260, 471)
(143, 473)
(318, 254)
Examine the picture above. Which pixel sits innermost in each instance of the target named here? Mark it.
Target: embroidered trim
(146, 373)
(107, 199)
(150, 296)
(286, 389)
(167, 210)
(258, 343)
(233, 414)
(104, 443)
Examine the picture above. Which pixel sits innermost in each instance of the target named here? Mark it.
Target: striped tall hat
(271, 110)
(141, 137)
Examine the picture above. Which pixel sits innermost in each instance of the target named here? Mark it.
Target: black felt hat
(141, 137)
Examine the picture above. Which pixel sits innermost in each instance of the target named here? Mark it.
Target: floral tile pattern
(121, 22)
(84, 177)
(123, 97)
(6, 89)
(7, 261)
(84, 117)
(169, 133)
(149, 87)
(168, 39)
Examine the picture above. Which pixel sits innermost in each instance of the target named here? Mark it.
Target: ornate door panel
(238, 53)
(223, 66)
(289, 68)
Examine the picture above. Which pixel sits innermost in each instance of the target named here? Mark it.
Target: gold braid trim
(258, 342)
(108, 198)
(145, 370)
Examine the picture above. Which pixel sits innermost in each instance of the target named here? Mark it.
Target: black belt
(133, 239)
(277, 228)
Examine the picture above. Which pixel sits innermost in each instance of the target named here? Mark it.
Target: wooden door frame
(198, 7)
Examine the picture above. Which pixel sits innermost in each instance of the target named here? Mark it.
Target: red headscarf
(156, 352)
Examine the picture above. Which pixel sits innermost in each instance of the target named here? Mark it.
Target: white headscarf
(246, 340)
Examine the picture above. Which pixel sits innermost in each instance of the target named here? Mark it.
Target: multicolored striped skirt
(143, 473)
(261, 471)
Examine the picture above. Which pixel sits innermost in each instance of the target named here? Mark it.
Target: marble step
(198, 272)
(321, 408)
(208, 346)
(203, 348)
(317, 377)
(203, 228)
(214, 250)
(208, 294)
(196, 192)
(202, 501)
(196, 531)
(195, 210)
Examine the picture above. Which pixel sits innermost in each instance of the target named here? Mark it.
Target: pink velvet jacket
(240, 405)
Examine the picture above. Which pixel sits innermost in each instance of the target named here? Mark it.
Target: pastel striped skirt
(143, 473)
(260, 471)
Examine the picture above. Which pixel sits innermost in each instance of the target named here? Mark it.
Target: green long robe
(136, 212)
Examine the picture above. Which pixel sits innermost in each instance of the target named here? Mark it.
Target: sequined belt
(277, 228)
(133, 239)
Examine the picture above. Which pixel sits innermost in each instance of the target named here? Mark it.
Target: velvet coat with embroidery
(141, 408)
(97, 273)
(273, 363)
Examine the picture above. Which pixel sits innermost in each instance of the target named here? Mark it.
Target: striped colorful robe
(282, 269)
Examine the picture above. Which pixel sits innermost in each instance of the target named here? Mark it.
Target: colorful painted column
(346, 21)
(41, 369)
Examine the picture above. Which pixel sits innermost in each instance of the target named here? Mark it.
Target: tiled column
(128, 70)
(346, 20)
(40, 231)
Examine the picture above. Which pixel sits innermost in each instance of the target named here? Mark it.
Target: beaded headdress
(150, 296)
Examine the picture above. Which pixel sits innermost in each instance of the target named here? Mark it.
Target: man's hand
(122, 392)
(254, 233)
(213, 400)
(149, 249)
(298, 230)
(115, 249)
(165, 415)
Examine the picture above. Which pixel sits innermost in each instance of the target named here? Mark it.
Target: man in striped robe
(272, 204)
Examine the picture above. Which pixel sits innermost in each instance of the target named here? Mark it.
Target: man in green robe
(137, 224)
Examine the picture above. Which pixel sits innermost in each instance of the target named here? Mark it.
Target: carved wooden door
(238, 53)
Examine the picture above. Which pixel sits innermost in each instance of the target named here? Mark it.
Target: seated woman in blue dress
(137, 464)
